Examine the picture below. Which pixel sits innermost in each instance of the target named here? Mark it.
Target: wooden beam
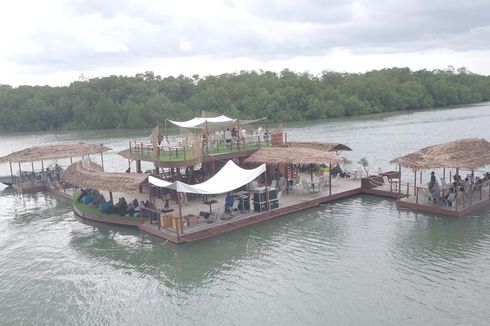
(330, 179)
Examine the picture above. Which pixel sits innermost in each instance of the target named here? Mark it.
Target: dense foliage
(146, 99)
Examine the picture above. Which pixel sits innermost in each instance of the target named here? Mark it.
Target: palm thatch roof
(471, 154)
(293, 155)
(125, 153)
(90, 175)
(53, 152)
(329, 147)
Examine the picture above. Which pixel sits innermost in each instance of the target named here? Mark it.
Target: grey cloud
(375, 26)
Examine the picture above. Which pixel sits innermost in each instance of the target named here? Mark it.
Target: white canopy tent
(229, 178)
(200, 123)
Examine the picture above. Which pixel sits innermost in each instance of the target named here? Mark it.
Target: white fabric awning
(229, 178)
(159, 182)
(199, 123)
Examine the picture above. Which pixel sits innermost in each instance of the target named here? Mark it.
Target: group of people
(94, 198)
(458, 184)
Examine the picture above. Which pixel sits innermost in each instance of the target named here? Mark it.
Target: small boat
(7, 180)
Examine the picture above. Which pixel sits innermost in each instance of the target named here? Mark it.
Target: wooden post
(408, 189)
(450, 176)
(415, 181)
(11, 173)
(32, 165)
(138, 166)
(267, 129)
(102, 160)
(287, 177)
(444, 173)
(399, 181)
(71, 160)
(110, 197)
(20, 179)
(417, 197)
(420, 177)
(42, 165)
(180, 215)
(456, 197)
(330, 179)
(266, 190)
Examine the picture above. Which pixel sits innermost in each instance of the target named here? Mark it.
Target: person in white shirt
(228, 137)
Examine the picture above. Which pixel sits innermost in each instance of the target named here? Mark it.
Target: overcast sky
(54, 42)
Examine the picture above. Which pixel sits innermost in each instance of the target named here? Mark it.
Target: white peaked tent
(229, 178)
(200, 123)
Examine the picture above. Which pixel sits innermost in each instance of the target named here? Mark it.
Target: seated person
(150, 205)
(106, 207)
(121, 207)
(141, 209)
(229, 200)
(83, 193)
(448, 201)
(100, 199)
(131, 209)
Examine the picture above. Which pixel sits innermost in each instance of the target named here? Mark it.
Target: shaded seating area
(297, 157)
(456, 185)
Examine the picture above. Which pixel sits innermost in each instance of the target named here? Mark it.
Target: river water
(356, 261)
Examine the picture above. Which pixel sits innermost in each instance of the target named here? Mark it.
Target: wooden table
(210, 203)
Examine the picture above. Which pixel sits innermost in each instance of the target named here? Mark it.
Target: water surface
(356, 261)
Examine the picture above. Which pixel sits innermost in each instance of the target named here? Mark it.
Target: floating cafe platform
(197, 211)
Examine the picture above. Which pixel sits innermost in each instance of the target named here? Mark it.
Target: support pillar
(330, 180)
(415, 182)
(11, 173)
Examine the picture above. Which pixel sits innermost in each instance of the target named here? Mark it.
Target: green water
(354, 262)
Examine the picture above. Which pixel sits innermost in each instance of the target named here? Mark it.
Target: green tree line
(145, 99)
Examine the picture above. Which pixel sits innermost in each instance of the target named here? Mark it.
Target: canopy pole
(71, 160)
(444, 173)
(42, 165)
(420, 177)
(330, 179)
(110, 197)
(32, 165)
(102, 160)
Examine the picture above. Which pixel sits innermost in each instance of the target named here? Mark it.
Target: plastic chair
(234, 208)
(306, 186)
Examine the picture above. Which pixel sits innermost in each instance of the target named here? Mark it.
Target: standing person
(229, 200)
(228, 137)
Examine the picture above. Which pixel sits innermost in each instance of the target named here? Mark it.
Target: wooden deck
(464, 205)
(294, 201)
(290, 201)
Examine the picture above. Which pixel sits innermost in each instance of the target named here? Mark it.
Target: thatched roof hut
(53, 152)
(469, 154)
(90, 175)
(294, 155)
(329, 147)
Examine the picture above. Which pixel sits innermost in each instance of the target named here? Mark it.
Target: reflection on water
(356, 261)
